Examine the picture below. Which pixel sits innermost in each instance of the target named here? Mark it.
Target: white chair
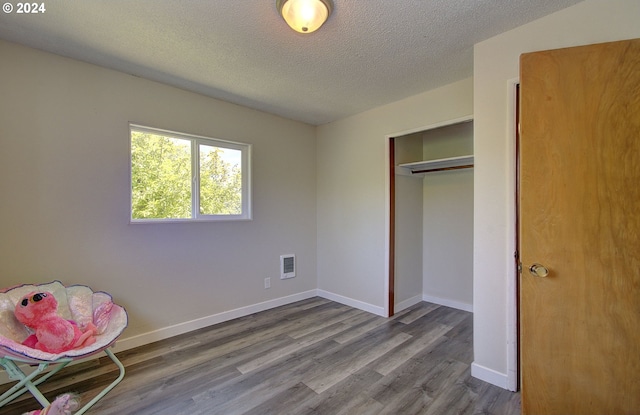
(78, 303)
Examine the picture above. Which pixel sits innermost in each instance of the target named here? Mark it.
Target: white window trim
(196, 140)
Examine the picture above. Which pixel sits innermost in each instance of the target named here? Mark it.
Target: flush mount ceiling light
(305, 16)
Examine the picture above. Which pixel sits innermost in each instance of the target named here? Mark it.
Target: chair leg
(106, 390)
(24, 382)
(37, 394)
(31, 381)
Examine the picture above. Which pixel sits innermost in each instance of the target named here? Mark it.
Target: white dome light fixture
(305, 16)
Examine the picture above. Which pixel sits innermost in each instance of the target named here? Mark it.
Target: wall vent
(287, 266)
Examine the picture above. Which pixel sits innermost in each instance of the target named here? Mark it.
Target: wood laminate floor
(310, 357)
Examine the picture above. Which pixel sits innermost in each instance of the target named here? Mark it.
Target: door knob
(538, 270)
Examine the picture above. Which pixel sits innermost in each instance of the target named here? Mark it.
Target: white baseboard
(490, 376)
(352, 303)
(188, 326)
(402, 305)
(448, 303)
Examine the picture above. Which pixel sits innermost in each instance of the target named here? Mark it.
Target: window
(182, 177)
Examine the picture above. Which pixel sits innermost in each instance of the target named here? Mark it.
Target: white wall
(495, 65)
(408, 225)
(448, 220)
(64, 210)
(353, 186)
(408, 243)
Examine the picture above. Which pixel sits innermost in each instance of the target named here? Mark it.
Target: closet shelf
(428, 166)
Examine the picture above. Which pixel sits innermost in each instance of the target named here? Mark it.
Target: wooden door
(580, 218)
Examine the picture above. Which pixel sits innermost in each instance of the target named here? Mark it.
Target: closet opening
(431, 216)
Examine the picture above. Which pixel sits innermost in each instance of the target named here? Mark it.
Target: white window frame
(196, 141)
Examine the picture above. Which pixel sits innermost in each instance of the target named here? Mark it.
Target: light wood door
(580, 218)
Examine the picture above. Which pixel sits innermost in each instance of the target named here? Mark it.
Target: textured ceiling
(369, 52)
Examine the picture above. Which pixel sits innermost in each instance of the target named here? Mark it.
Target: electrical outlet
(267, 283)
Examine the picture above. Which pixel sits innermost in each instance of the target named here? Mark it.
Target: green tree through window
(186, 177)
(220, 181)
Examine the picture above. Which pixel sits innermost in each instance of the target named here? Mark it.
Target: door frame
(513, 317)
(391, 229)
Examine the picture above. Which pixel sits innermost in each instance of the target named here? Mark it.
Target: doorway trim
(513, 375)
(391, 229)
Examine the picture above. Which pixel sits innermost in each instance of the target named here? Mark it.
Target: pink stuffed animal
(53, 334)
(65, 404)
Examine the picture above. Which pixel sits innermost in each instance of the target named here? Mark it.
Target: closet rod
(467, 166)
